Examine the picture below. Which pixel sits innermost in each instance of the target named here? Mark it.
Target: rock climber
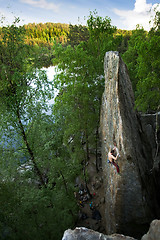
(116, 151)
(112, 158)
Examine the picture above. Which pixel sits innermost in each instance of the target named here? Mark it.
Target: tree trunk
(38, 172)
(64, 181)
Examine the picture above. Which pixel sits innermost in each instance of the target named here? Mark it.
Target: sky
(124, 14)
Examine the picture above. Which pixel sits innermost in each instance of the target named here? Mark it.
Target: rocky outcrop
(131, 196)
(88, 234)
(82, 233)
(151, 127)
(154, 231)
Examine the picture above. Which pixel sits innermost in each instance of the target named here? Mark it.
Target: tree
(142, 58)
(18, 96)
(29, 135)
(148, 87)
(77, 34)
(131, 55)
(80, 84)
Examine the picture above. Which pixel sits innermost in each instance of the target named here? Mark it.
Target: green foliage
(31, 213)
(77, 34)
(142, 59)
(39, 211)
(122, 36)
(148, 87)
(80, 82)
(130, 56)
(38, 202)
(46, 34)
(101, 34)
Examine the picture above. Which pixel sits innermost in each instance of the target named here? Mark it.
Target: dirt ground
(92, 218)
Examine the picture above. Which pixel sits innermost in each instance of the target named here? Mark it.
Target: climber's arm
(114, 158)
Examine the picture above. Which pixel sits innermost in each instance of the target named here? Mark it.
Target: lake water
(50, 74)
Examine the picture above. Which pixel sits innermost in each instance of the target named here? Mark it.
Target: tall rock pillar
(127, 206)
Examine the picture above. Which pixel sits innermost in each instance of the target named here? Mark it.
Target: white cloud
(141, 6)
(141, 14)
(42, 4)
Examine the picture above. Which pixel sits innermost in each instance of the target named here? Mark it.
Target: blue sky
(125, 14)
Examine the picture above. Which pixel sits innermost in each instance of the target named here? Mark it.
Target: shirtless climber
(116, 151)
(112, 158)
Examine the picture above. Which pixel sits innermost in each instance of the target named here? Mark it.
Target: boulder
(154, 231)
(131, 196)
(82, 233)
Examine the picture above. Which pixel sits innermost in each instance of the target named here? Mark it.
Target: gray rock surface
(151, 127)
(154, 231)
(88, 234)
(130, 197)
(82, 233)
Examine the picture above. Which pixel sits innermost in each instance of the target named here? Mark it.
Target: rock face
(151, 126)
(154, 231)
(130, 196)
(88, 234)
